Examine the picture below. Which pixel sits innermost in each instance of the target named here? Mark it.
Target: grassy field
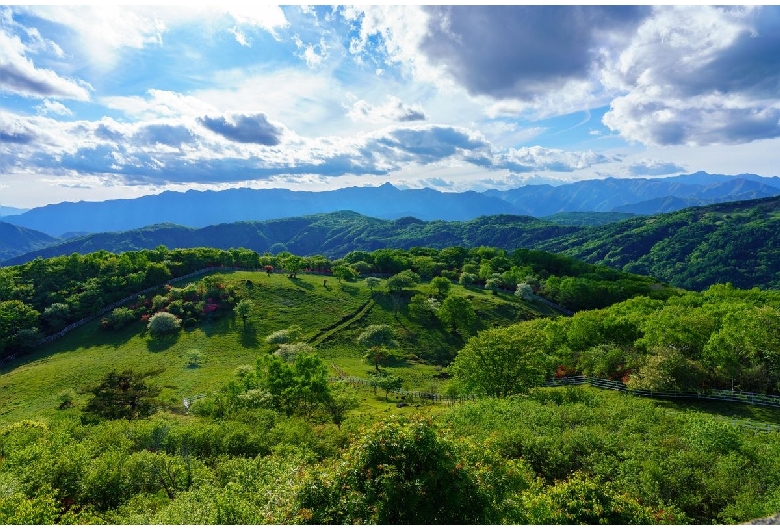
(331, 316)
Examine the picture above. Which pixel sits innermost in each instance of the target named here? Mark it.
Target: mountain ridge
(198, 209)
(737, 242)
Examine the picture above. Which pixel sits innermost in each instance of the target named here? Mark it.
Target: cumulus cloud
(426, 145)
(519, 52)
(244, 128)
(19, 75)
(537, 158)
(313, 54)
(699, 76)
(165, 134)
(393, 110)
(54, 107)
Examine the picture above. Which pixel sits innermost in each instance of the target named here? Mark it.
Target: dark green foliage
(119, 318)
(123, 395)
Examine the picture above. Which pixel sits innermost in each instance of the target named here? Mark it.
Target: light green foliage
(14, 317)
(295, 388)
(441, 286)
(345, 273)
(285, 336)
(468, 278)
(244, 309)
(163, 323)
(501, 362)
(343, 398)
(396, 473)
(457, 313)
(524, 291)
(119, 318)
(373, 282)
(493, 282)
(667, 370)
(584, 500)
(402, 280)
(603, 361)
(289, 352)
(377, 338)
(387, 382)
(55, 317)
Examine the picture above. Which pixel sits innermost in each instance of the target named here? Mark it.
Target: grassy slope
(29, 387)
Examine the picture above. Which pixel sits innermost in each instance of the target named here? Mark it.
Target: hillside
(735, 242)
(226, 426)
(332, 235)
(693, 248)
(204, 208)
(15, 240)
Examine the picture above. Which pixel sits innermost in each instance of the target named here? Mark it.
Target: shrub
(163, 323)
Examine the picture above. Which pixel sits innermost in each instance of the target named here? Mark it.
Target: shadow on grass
(158, 344)
(724, 408)
(349, 289)
(249, 336)
(301, 283)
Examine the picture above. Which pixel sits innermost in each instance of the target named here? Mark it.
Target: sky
(100, 102)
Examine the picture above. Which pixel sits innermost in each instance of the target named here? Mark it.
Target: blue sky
(115, 102)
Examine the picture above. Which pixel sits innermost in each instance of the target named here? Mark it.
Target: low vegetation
(396, 394)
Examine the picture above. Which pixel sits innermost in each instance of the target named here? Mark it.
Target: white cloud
(393, 110)
(54, 107)
(19, 75)
(698, 76)
(159, 104)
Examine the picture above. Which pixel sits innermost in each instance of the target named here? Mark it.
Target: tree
(372, 282)
(423, 307)
(441, 286)
(468, 278)
(524, 291)
(343, 398)
(457, 313)
(387, 382)
(667, 370)
(14, 317)
(583, 500)
(293, 264)
(402, 280)
(377, 337)
(285, 336)
(345, 273)
(56, 316)
(118, 319)
(500, 362)
(244, 310)
(124, 395)
(163, 323)
(296, 387)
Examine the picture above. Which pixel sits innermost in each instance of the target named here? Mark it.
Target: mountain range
(199, 209)
(737, 242)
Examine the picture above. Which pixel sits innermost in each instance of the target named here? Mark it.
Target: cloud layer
(477, 95)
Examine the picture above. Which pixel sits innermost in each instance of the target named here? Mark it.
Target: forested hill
(333, 235)
(16, 239)
(735, 242)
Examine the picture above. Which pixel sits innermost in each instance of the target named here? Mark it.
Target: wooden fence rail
(735, 396)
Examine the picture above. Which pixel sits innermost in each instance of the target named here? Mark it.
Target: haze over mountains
(204, 208)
